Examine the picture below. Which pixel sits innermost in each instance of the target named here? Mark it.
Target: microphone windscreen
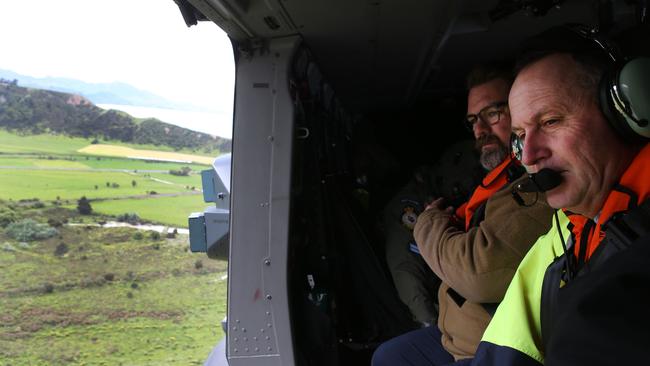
(542, 181)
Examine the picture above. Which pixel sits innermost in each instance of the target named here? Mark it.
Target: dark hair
(590, 58)
(484, 73)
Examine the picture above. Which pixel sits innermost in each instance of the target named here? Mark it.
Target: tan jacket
(477, 264)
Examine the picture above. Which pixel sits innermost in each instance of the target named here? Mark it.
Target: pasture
(124, 151)
(102, 296)
(71, 185)
(58, 144)
(166, 210)
(44, 144)
(90, 162)
(112, 297)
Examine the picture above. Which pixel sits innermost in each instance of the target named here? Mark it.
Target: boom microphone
(542, 181)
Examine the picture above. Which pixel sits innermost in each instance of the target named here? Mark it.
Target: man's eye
(550, 122)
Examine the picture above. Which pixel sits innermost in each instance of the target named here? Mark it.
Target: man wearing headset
(476, 250)
(580, 295)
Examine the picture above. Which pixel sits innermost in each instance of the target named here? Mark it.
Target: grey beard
(490, 159)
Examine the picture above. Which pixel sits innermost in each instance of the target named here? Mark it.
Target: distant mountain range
(99, 93)
(36, 111)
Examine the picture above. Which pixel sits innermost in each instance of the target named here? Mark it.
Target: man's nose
(534, 150)
(481, 128)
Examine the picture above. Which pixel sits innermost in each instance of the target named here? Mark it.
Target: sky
(144, 43)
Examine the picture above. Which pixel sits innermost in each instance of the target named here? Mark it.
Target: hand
(437, 204)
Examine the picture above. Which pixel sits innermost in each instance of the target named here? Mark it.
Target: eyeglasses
(490, 115)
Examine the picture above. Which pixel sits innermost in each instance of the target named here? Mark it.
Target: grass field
(57, 144)
(193, 180)
(123, 151)
(87, 162)
(47, 144)
(42, 163)
(43, 176)
(112, 298)
(71, 185)
(166, 210)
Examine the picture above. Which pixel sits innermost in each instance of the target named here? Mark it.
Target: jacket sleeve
(479, 264)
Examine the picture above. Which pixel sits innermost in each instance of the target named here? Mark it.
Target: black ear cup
(625, 98)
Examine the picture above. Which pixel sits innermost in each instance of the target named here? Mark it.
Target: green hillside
(36, 111)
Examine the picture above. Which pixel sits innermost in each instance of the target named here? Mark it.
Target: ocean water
(213, 123)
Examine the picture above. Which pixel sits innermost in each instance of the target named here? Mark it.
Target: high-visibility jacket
(514, 336)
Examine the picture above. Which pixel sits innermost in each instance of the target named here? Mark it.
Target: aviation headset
(624, 90)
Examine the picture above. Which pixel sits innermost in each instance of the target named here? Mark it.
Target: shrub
(7, 247)
(83, 206)
(131, 218)
(155, 235)
(138, 236)
(37, 204)
(54, 223)
(61, 249)
(28, 230)
(198, 264)
(7, 217)
(48, 288)
(109, 277)
(115, 185)
(184, 171)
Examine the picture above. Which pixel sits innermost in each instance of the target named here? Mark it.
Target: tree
(83, 206)
(134, 183)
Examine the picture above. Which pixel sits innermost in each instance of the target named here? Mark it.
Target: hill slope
(35, 111)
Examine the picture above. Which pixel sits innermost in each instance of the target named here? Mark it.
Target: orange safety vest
(493, 181)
